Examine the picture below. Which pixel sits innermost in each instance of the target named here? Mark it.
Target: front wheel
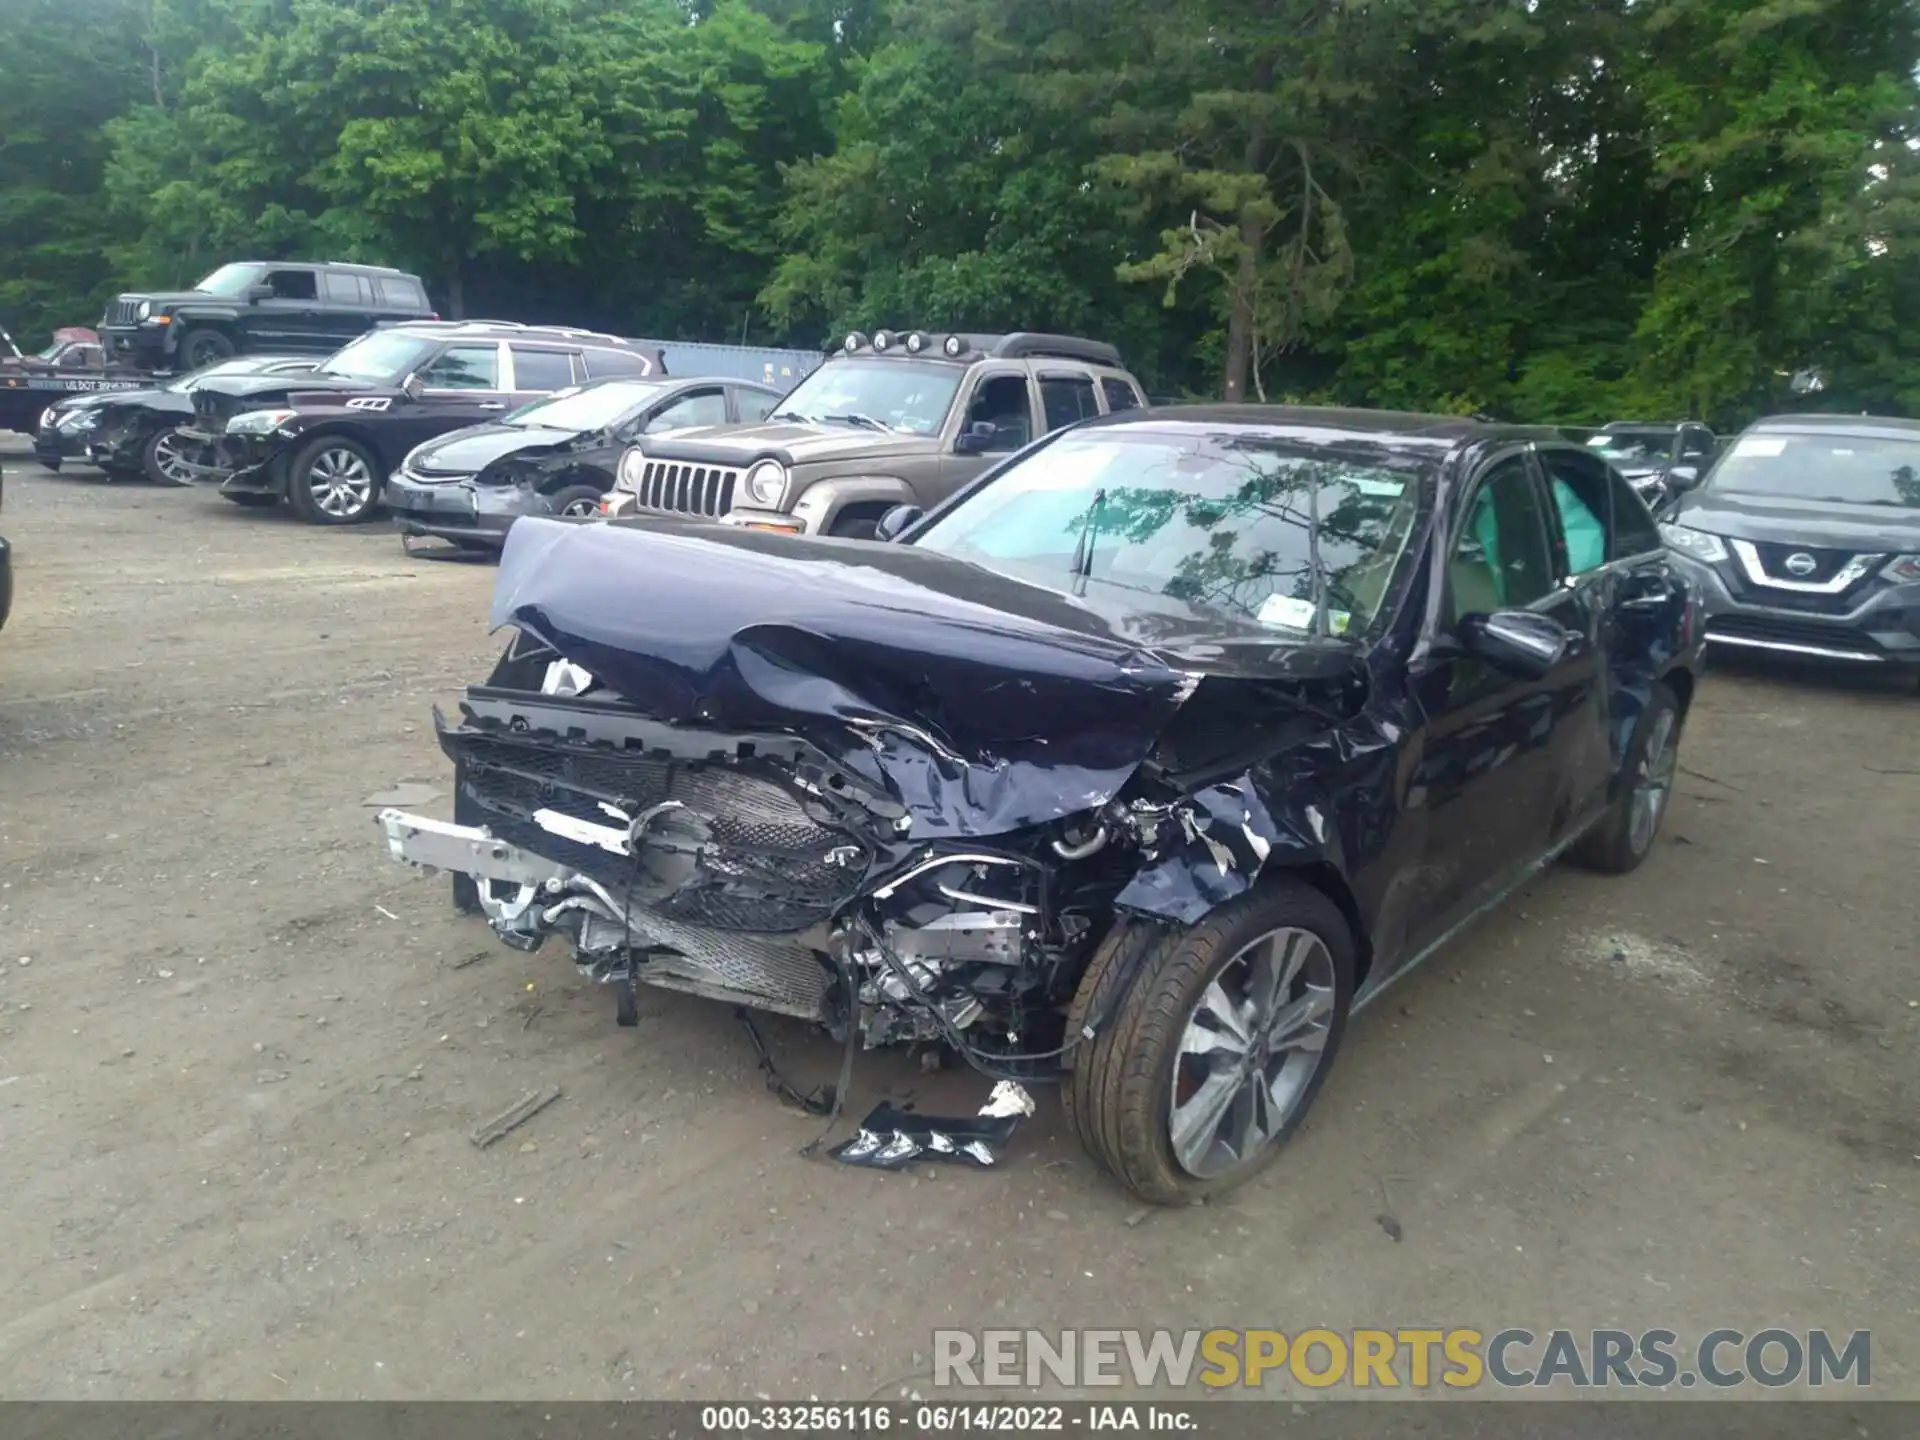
(334, 480)
(165, 459)
(575, 502)
(205, 347)
(1214, 1043)
(1624, 835)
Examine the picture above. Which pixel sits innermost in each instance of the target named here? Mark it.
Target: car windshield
(910, 396)
(1291, 536)
(1628, 446)
(592, 407)
(230, 280)
(383, 358)
(1848, 469)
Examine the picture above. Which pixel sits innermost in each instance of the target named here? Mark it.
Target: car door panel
(1489, 773)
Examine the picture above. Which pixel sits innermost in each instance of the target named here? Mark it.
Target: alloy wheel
(581, 509)
(1252, 1045)
(341, 482)
(1652, 782)
(170, 460)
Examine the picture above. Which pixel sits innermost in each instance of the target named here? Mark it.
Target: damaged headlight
(1698, 543)
(259, 422)
(1903, 569)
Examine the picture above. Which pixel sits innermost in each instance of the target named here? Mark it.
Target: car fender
(189, 315)
(821, 502)
(303, 427)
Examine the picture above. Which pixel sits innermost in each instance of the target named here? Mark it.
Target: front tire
(334, 480)
(163, 460)
(575, 502)
(205, 346)
(1215, 1042)
(1624, 836)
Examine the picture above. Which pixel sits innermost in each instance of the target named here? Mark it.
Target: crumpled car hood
(471, 450)
(986, 704)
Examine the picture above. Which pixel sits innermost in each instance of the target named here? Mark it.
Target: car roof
(514, 330)
(1435, 432)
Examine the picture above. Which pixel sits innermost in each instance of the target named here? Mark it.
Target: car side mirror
(412, 387)
(1516, 641)
(257, 293)
(1683, 476)
(976, 439)
(896, 520)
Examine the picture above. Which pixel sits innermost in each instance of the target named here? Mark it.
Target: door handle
(494, 405)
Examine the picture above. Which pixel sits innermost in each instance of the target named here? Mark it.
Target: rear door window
(346, 289)
(1067, 398)
(399, 292)
(541, 369)
(1119, 395)
(601, 363)
(1582, 490)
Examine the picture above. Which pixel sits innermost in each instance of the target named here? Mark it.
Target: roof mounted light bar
(1020, 345)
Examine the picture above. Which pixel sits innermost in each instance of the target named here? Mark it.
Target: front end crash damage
(909, 811)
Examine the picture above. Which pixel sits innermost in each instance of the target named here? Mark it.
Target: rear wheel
(1625, 835)
(334, 480)
(205, 346)
(165, 459)
(1211, 1042)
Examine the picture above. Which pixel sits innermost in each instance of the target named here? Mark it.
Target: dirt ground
(241, 1053)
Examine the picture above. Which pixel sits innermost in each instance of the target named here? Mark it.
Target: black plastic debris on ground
(891, 1137)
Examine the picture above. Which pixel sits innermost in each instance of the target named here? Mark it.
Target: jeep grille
(676, 489)
(123, 312)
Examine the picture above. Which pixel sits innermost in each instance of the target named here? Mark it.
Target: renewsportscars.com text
(1402, 1358)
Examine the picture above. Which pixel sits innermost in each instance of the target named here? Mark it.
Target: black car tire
(1615, 845)
(1143, 987)
(205, 346)
(252, 499)
(858, 522)
(574, 495)
(150, 460)
(338, 451)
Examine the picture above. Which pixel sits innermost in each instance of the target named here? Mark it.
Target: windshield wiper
(791, 415)
(1081, 567)
(865, 422)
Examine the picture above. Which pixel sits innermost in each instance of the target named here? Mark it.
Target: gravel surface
(242, 1054)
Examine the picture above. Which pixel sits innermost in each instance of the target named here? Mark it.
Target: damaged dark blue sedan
(1141, 763)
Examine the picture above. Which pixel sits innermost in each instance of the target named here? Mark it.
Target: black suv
(256, 305)
(326, 442)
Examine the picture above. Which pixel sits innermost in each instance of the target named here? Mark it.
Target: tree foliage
(1556, 210)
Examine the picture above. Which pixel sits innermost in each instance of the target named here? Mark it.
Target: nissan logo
(1801, 563)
